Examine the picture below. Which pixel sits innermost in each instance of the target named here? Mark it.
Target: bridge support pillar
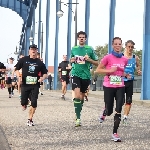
(145, 89)
(47, 32)
(111, 24)
(28, 29)
(39, 27)
(56, 48)
(69, 29)
(87, 17)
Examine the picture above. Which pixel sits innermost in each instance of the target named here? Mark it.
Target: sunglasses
(131, 46)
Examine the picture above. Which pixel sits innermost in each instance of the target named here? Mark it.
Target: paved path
(55, 129)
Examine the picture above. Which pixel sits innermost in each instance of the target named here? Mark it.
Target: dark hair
(116, 38)
(38, 53)
(129, 41)
(81, 32)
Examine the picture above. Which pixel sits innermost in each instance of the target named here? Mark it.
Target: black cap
(33, 46)
(11, 58)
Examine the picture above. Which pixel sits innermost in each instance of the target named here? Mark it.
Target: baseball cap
(11, 58)
(33, 46)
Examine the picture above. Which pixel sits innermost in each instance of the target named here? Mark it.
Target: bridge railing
(99, 84)
(136, 84)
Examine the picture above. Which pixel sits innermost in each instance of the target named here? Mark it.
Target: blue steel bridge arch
(26, 10)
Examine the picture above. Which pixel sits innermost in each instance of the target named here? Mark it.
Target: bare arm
(138, 67)
(94, 62)
(101, 69)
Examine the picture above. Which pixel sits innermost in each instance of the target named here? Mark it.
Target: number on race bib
(64, 73)
(31, 80)
(115, 80)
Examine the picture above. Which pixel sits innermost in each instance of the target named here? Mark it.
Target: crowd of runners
(118, 67)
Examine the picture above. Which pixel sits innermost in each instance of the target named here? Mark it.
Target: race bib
(115, 80)
(80, 59)
(81, 62)
(31, 80)
(64, 73)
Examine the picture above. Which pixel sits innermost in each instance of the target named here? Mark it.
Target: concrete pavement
(54, 125)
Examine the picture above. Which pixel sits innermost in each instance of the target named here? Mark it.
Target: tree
(139, 54)
(100, 51)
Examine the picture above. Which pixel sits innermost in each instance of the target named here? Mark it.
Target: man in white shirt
(10, 77)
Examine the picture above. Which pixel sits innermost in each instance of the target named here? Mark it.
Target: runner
(113, 66)
(10, 78)
(64, 70)
(82, 56)
(2, 71)
(31, 66)
(133, 63)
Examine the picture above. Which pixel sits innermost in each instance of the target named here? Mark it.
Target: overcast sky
(129, 25)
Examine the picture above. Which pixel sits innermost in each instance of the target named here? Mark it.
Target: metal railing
(136, 84)
(99, 84)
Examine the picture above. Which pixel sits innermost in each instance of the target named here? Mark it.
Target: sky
(128, 25)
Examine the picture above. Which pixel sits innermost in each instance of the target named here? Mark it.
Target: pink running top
(114, 79)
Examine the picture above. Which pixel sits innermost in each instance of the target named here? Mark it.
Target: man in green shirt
(82, 56)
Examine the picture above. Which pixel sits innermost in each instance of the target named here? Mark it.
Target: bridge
(54, 125)
(26, 10)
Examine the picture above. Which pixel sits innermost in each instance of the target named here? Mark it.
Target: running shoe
(125, 120)
(78, 123)
(116, 138)
(30, 123)
(12, 93)
(63, 97)
(103, 116)
(9, 95)
(101, 119)
(24, 107)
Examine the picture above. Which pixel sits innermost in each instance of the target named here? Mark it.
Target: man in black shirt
(64, 70)
(32, 67)
(2, 71)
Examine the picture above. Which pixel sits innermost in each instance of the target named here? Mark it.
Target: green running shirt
(81, 67)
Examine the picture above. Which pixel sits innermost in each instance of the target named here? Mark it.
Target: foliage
(101, 51)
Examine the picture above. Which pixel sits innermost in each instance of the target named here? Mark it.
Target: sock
(82, 102)
(9, 90)
(13, 87)
(117, 119)
(125, 116)
(77, 106)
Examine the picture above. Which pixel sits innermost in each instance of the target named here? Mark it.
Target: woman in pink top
(113, 66)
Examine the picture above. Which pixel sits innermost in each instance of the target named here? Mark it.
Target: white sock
(125, 116)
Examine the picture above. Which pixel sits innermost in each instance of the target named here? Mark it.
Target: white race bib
(115, 80)
(64, 73)
(31, 80)
(81, 62)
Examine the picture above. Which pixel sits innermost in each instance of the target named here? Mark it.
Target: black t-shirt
(2, 66)
(31, 69)
(62, 66)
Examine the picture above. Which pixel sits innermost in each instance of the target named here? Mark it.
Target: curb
(4, 145)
